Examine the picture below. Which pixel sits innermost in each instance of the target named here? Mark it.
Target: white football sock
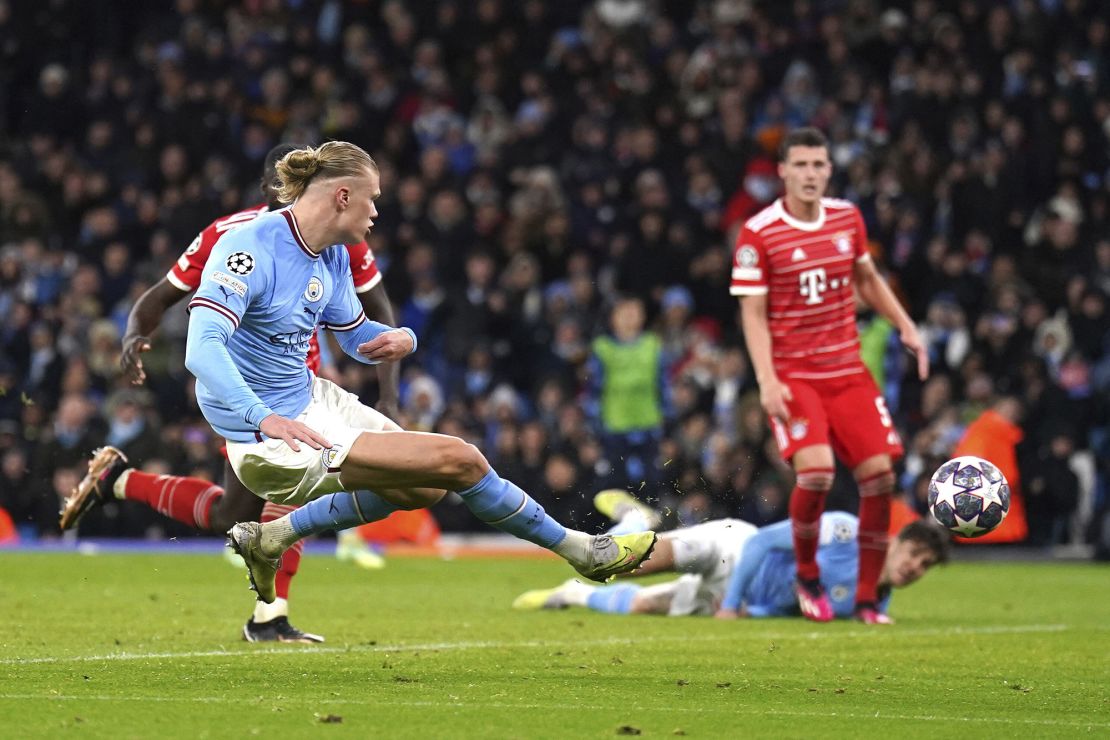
(264, 612)
(119, 488)
(575, 547)
(278, 535)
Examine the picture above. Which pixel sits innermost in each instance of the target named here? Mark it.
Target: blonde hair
(297, 169)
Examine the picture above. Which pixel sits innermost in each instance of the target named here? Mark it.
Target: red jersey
(806, 270)
(186, 272)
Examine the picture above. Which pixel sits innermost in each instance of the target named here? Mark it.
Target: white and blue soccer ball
(969, 496)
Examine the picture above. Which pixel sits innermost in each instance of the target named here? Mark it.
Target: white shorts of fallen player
(272, 470)
(705, 554)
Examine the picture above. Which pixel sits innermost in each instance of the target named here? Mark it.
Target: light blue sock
(339, 511)
(501, 504)
(613, 599)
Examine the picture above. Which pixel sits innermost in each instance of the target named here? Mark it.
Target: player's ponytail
(300, 167)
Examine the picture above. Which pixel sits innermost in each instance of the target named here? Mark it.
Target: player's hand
(130, 360)
(389, 406)
(387, 346)
(773, 396)
(290, 431)
(911, 340)
(726, 614)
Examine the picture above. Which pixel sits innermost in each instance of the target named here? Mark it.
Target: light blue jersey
(262, 295)
(763, 580)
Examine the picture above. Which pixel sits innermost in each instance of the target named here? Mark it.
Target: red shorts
(848, 413)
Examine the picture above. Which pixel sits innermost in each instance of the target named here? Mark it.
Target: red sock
(291, 558)
(874, 528)
(807, 502)
(188, 500)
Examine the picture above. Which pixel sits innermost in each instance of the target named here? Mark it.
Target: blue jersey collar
(296, 229)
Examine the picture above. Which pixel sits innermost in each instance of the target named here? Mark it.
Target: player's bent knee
(878, 484)
(819, 479)
(464, 462)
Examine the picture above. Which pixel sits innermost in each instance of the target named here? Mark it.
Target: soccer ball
(969, 496)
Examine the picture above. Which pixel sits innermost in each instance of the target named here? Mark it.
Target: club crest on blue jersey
(843, 532)
(241, 263)
(315, 290)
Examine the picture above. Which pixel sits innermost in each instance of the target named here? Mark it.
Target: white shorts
(706, 554)
(272, 470)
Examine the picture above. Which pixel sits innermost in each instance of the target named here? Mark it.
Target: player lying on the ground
(199, 503)
(294, 438)
(731, 568)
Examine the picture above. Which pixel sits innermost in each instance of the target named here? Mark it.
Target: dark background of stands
(540, 159)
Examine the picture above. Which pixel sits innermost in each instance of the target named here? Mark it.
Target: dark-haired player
(797, 265)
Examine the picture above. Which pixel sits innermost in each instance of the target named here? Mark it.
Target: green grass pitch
(120, 646)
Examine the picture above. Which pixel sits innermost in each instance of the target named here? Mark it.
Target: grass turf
(147, 646)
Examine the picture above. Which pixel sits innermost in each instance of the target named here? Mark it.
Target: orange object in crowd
(417, 527)
(901, 514)
(993, 437)
(8, 533)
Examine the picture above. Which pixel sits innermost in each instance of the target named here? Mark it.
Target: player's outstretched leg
(614, 599)
(187, 500)
(503, 505)
(628, 513)
(411, 469)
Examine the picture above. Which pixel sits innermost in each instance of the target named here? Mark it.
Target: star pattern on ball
(241, 263)
(966, 528)
(968, 496)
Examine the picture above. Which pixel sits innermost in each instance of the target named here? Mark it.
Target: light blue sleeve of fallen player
(772, 537)
(233, 275)
(344, 317)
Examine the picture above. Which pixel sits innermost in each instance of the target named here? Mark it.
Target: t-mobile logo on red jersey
(813, 284)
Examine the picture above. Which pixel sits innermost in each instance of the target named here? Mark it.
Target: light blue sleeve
(207, 358)
(772, 537)
(838, 529)
(237, 272)
(344, 316)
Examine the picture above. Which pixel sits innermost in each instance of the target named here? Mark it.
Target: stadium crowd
(541, 162)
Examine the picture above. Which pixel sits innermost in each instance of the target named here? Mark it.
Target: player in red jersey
(199, 503)
(796, 265)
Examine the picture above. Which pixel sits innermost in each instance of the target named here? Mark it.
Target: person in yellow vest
(625, 380)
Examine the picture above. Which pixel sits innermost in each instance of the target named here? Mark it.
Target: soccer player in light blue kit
(731, 568)
(295, 438)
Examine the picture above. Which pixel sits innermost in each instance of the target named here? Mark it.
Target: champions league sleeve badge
(241, 263)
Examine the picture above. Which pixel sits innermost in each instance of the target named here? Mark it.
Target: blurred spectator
(624, 377)
(1052, 491)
